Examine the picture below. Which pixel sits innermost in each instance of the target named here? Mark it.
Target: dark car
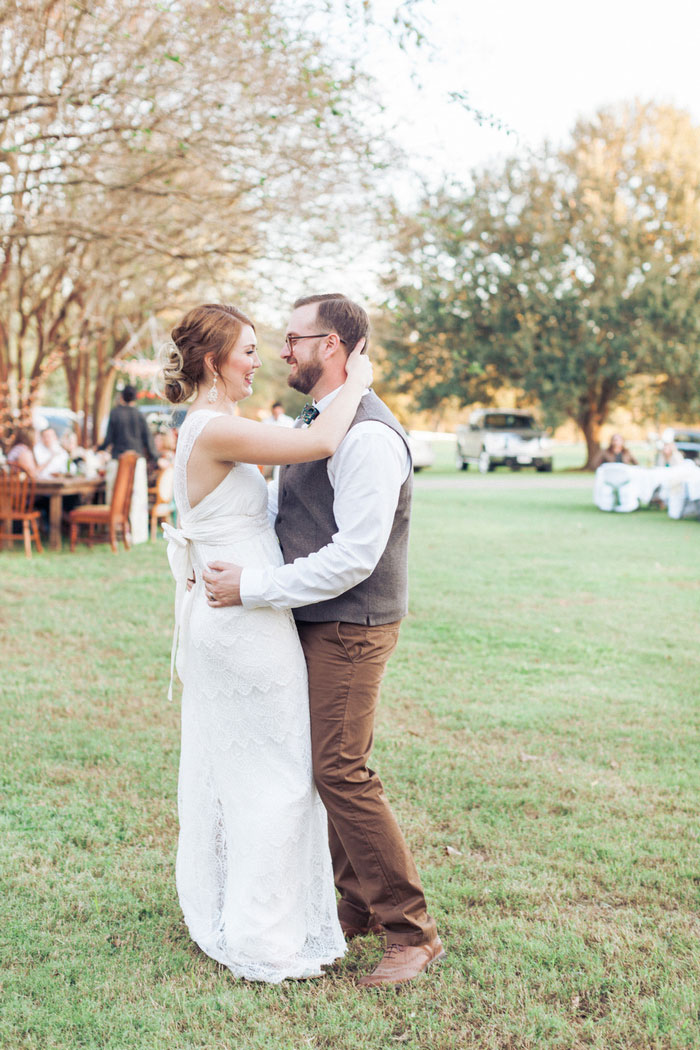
(687, 442)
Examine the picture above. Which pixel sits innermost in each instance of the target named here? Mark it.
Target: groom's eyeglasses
(292, 340)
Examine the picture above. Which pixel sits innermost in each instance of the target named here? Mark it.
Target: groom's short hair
(340, 314)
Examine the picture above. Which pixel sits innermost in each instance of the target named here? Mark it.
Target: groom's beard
(306, 375)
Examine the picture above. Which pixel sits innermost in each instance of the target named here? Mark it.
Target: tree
(572, 276)
(151, 154)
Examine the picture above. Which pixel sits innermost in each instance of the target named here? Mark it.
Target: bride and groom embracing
(275, 797)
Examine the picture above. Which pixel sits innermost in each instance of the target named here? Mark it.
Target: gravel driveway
(500, 482)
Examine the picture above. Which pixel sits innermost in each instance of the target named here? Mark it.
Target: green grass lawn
(540, 719)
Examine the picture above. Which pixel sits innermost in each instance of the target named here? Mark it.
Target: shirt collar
(326, 400)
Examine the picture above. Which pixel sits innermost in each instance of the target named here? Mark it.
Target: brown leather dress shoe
(403, 962)
(351, 930)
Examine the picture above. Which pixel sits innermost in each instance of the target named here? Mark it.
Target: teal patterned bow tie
(308, 413)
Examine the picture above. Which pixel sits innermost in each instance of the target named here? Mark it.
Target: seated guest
(616, 452)
(70, 444)
(50, 455)
(80, 460)
(668, 455)
(20, 454)
(165, 441)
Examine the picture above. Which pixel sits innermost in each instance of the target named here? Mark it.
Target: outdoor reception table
(684, 497)
(623, 488)
(56, 489)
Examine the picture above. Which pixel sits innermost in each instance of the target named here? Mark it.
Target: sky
(536, 66)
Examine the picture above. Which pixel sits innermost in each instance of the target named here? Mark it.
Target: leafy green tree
(572, 276)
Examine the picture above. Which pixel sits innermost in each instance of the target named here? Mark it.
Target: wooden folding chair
(114, 515)
(163, 508)
(17, 505)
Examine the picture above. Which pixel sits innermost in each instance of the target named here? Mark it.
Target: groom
(343, 528)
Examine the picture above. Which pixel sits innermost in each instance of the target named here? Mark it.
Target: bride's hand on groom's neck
(358, 366)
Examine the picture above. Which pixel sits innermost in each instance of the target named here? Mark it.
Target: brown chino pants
(374, 871)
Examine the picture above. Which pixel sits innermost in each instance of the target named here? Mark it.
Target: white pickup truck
(501, 438)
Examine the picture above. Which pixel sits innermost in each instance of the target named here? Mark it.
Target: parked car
(421, 451)
(60, 419)
(162, 417)
(687, 441)
(495, 438)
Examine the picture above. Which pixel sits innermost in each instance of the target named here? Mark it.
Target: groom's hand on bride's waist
(222, 583)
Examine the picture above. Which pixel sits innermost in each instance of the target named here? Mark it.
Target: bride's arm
(231, 439)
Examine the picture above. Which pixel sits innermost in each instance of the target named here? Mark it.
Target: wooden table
(56, 489)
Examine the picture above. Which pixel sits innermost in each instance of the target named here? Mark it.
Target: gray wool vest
(305, 523)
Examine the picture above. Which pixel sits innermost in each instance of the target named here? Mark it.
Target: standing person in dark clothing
(127, 429)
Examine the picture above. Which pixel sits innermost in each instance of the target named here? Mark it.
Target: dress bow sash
(180, 560)
(210, 533)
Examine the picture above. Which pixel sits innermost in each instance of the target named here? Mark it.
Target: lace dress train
(254, 874)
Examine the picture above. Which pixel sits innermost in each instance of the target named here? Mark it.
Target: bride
(253, 871)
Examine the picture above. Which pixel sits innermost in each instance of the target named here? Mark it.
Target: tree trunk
(104, 388)
(590, 422)
(72, 374)
(85, 406)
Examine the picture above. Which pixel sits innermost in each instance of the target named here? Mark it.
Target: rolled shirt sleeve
(366, 474)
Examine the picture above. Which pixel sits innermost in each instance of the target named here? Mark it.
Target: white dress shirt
(366, 473)
(50, 460)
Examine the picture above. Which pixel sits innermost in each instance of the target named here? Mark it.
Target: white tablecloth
(623, 488)
(684, 494)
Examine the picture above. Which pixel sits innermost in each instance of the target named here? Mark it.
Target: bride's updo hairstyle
(209, 329)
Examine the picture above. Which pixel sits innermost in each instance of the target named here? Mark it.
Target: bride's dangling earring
(213, 394)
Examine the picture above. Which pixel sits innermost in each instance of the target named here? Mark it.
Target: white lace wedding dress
(254, 873)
